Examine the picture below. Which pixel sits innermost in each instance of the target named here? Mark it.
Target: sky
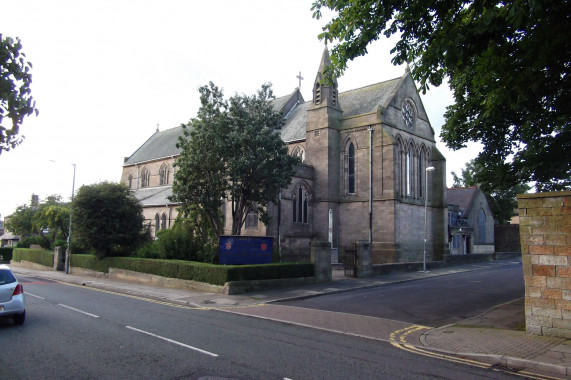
(107, 73)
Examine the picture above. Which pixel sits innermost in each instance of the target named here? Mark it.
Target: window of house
(482, 226)
(164, 173)
(252, 218)
(145, 177)
(300, 205)
(130, 181)
(351, 170)
(157, 224)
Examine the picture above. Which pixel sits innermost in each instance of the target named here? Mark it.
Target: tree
(108, 218)
(47, 220)
(508, 65)
(16, 101)
(232, 151)
(53, 215)
(502, 202)
(21, 222)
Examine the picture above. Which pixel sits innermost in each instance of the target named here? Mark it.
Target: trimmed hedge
(201, 272)
(38, 256)
(185, 270)
(6, 253)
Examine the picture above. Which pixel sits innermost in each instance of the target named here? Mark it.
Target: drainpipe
(370, 185)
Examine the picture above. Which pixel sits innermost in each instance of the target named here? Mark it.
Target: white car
(12, 300)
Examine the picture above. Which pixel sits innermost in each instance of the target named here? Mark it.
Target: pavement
(495, 340)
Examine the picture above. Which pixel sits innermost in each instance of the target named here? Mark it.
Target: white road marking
(172, 341)
(33, 295)
(79, 311)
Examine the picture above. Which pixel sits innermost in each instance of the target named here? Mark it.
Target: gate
(350, 261)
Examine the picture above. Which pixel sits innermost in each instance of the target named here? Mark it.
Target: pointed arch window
(157, 223)
(164, 173)
(164, 221)
(421, 173)
(130, 181)
(408, 178)
(145, 177)
(298, 151)
(351, 170)
(252, 218)
(482, 226)
(300, 205)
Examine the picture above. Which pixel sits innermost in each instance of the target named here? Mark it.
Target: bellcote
(325, 94)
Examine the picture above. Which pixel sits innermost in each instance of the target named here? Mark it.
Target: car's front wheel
(20, 318)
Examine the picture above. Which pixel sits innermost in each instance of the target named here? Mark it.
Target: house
(365, 154)
(470, 221)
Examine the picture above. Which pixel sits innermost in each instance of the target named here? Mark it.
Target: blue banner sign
(240, 250)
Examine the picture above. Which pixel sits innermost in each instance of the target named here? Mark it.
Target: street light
(428, 169)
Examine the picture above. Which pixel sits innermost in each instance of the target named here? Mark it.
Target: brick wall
(545, 226)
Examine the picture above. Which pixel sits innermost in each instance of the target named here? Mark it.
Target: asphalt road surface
(74, 332)
(434, 302)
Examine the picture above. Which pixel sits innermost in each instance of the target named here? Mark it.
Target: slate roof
(354, 102)
(461, 197)
(160, 145)
(367, 99)
(154, 196)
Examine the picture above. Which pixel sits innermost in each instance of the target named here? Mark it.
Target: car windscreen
(6, 277)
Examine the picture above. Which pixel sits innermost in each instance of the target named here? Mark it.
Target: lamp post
(428, 169)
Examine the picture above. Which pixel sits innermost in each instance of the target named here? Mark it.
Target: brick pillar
(59, 259)
(363, 265)
(545, 227)
(321, 258)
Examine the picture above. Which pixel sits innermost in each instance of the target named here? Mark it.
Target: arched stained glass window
(145, 177)
(351, 170)
(300, 205)
(482, 226)
(164, 222)
(164, 174)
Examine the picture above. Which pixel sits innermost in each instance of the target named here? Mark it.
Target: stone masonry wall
(545, 228)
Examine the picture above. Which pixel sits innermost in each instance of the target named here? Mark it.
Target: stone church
(363, 176)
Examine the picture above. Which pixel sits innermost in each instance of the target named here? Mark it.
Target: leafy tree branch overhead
(507, 63)
(16, 101)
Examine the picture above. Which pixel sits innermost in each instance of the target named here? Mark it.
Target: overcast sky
(107, 72)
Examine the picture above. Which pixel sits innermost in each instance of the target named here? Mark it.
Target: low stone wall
(545, 227)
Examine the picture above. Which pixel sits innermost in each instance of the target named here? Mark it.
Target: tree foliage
(48, 219)
(508, 65)
(108, 218)
(16, 100)
(232, 151)
(502, 202)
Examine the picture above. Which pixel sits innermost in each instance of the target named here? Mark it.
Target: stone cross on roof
(300, 79)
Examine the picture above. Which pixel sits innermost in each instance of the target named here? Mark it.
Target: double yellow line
(398, 339)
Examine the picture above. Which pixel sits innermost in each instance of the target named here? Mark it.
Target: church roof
(160, 145)
(154, 196)
(367, 99)
(461, 197)
(355, 102)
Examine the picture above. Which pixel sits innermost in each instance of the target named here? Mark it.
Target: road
(434, 302)
(73, 332)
